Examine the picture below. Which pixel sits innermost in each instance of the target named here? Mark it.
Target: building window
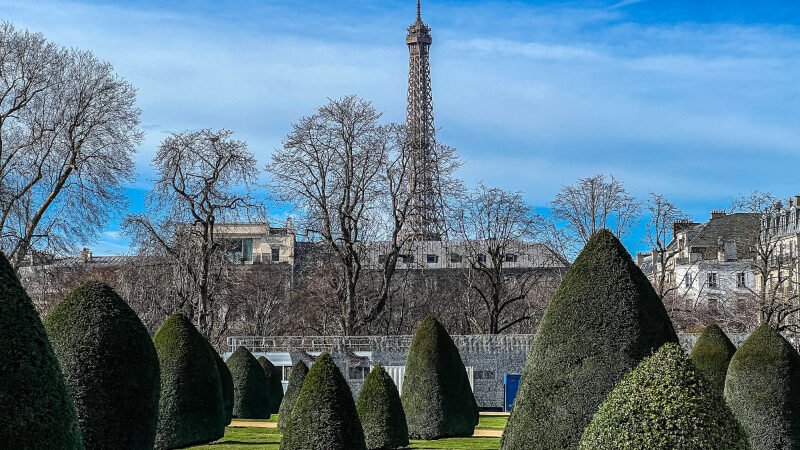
(688, 280)
(713, 303)
(357, 373)
(276, 254)
(381, 259)
(240, 250)
(712, 280)
(455, 258)
(408, 259)
(741, 280)
(431, 258)
(482, 258)
(511, 258)
(484, 374)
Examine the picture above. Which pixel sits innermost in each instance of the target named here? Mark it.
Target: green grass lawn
(240, 438)
(493, 422)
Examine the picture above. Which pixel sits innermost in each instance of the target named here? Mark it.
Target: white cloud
(533, 96)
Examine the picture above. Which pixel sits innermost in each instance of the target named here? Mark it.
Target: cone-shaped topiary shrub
(711, 354)
(324, 416)
(664, 404)
(110, 365)
(296, 378)
(36, 409)
(763, 390)
(190, 408)
(275, 390)
(603, 319)
(250, 396)
(381, 412)
(437, 397)
(226, 382)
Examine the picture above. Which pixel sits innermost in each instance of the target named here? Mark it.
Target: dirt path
(247, 423)
(483, 432)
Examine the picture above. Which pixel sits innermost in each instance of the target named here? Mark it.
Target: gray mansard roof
(740, 228)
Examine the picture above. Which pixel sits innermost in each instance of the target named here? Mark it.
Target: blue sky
(699, 101)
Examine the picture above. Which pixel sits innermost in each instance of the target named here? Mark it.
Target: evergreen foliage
(603, 320)
(381, 412)
(275, 389)
(110, 365)
(763, 390)
(226, 382)
(250, 388)
(437, 397)
(296, 378)
(190, 409)
(36, 409)
(324, 416)
(664, 404)
(711, 355)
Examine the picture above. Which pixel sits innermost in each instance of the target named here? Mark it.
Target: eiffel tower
(424, 222)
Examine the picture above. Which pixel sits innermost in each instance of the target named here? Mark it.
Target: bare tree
(595, 203)
(777, 294)
(662, 216)
(350, 175)
(203, 177)
(497, 229)
(68, 132)
(258, 302)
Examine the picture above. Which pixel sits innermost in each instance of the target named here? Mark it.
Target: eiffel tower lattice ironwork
(424, 222)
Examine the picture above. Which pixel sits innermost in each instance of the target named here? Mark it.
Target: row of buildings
(730, 259)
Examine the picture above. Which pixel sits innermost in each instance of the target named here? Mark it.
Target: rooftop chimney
(680, 225)
(797, 200)
(86, 255)
(717, 213)
(778, 206)
(791, 202)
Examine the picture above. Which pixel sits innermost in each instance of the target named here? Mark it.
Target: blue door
(511, 384)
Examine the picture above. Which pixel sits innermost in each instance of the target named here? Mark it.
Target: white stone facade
(258, 243)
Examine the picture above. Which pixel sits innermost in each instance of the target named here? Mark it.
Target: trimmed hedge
(296, 378)
(711, 355)
(36, 409)
(381, 412)
(275, 389)
(324, 416)
(250, 396)
(110, 365)
(664, 404)
(603, 320)
(190, 409)
(226, 382)
(763, 389)
(437, 396)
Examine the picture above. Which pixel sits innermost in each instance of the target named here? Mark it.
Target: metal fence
(472, 343)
